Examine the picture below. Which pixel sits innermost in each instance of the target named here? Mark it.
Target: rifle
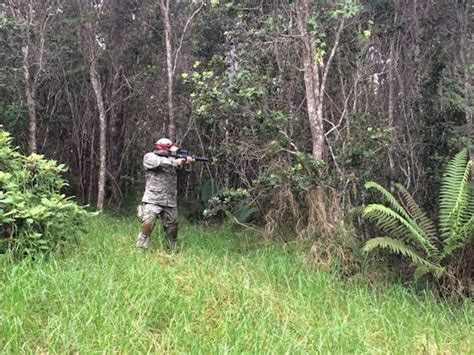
(182, 154)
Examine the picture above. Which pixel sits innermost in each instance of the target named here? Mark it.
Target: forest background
(297, 103)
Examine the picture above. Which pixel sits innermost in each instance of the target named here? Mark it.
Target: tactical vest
(161, 181)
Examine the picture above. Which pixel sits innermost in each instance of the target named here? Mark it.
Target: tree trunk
(391, 108)
(311, 79)
(165, 16)
(316, 73)
(113, 138)
(91, 165)
(96, 84)
(465, 54)
(30, 100)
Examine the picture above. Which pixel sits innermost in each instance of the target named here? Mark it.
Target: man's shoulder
(151, 160)
(150, 156)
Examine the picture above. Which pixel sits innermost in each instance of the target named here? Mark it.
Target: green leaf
(399, 247)
(455, 207)
(391, 222)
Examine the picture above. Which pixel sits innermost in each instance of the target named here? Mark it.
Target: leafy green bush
(410, 231)
(34, 216)
(231, 201)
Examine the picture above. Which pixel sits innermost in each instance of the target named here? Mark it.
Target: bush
(34, 216)
(442, 251)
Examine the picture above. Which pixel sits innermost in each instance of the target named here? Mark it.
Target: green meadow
(227, 291)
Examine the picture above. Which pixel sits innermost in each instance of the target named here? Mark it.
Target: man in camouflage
(160, 197)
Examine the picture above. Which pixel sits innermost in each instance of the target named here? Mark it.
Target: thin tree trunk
(25, 13)
(465, 54)
(112, 99)
(113, 155)
(311, 79)
(96, 84)
(316, 73)
(314, 106)
(91, 167)
(391, 108)
(165, 15)
(30, 100)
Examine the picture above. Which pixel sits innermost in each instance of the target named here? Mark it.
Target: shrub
(411, 233)
(34, 216)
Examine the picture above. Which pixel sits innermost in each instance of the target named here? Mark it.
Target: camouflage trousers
(147, 214)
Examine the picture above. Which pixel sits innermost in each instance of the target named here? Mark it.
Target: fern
(418, 215)
(391, 222)
(456, 219)
(454, 195)
(464, 236)
(422, 270)
(468, 208)
(399, 247)
(456, 204)
(388, 196)
(399, 232)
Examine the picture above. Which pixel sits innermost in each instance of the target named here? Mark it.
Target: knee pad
(147, 226)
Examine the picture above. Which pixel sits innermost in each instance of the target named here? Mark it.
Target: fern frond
(387, 222)
(392, 226)
(469, 210)
(422, 270)
(461, 239)
(452, 177)
(399, 247)
(470, 207)
(388, 196)
(420, 217)
(393, 223)
(455, 195)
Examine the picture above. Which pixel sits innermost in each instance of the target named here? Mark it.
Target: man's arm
(152, 161)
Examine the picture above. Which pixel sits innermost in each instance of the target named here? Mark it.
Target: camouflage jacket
(161, 185)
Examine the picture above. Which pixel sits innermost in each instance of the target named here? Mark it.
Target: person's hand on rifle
(189, 159)
(182, 161)
(178, 161)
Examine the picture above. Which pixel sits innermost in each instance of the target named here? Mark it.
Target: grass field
(226, 292)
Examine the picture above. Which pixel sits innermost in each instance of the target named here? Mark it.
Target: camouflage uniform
(159, 199)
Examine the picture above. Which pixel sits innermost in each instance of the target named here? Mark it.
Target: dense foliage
(35, 217)
(410, 232)
(397, 101)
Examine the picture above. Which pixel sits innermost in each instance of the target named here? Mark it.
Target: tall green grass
(225, 292)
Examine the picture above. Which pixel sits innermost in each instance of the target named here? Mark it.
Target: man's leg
(169, 218)
(172, 237)
(147, 217)
(146, 228)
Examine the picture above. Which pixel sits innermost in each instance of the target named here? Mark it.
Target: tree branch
(183, 34)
